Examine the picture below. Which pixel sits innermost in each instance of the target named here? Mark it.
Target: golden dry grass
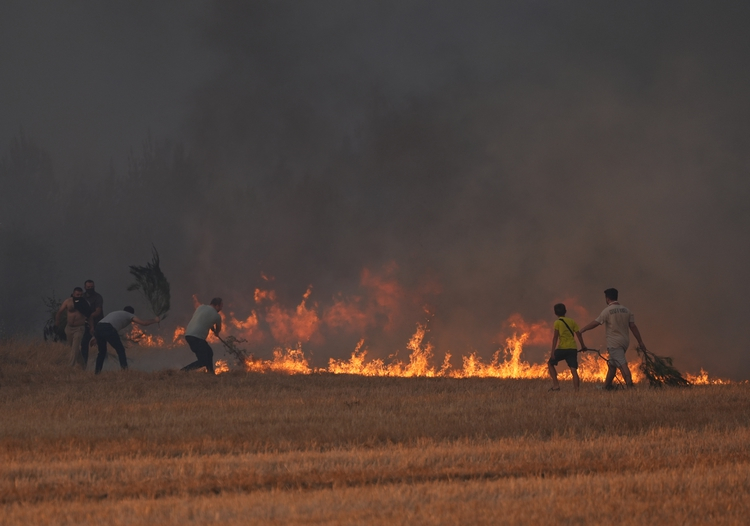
(174, 448)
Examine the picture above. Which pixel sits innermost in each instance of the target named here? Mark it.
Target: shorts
(569, 355)
(617, 357)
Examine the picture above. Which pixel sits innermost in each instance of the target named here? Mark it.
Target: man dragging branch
(205, 318)
(618, 321)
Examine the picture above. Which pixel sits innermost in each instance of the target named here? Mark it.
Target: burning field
(277, 448)
(379, 308)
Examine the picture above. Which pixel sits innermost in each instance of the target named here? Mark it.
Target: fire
(383, 300)
(288, 361)
(221, 367)
(298, 325)
(702, 378)
(418, 364)
(137, 336)
(506, 362)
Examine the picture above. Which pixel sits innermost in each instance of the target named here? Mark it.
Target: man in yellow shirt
(564, 347)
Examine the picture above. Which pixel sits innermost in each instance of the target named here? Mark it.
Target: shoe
(554, 388)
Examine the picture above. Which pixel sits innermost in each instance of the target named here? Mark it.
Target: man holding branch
(108, 330)
(564, 347)
(205, 318)
(618, 321)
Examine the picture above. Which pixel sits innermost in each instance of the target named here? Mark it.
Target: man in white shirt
(618, 321)
(107, 331)
(205, 318)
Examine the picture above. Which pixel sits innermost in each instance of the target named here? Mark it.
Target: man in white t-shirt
(618, 321)
(205, 318)
(108, 331)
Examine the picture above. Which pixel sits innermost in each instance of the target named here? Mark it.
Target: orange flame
(137, 336)
(288, 361)
(702, 378)
(221, 367)
(299, 325)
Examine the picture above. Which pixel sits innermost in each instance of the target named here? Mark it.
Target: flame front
(506, 363)
(299, 325)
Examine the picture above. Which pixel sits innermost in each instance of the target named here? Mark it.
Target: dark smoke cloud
(491, 158)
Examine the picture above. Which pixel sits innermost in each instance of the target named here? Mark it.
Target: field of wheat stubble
(189, 448)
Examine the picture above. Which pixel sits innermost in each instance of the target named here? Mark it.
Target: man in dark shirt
(96, 302)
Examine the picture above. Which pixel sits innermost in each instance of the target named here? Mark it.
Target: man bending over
(205, 318)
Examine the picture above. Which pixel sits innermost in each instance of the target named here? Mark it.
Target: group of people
(618, 322)
(87, 326)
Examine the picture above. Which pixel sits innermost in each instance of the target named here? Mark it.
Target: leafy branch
(152, 283)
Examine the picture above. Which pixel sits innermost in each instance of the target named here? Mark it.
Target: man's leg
(625, 370)
(611, 372)
(203, 352)
(194, 344)
(101, 342)
(208, 358)
(85, 342)
(76, 347)
(576, 380)
(116, 343)
(69, 341)
(553, 375)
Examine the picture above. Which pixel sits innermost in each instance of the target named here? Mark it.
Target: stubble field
(176, 448)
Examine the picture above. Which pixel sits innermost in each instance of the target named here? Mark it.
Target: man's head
(560, 309)
(129, 309)
(217, 304)
(610, 295)
(90, 288)
(77, 292)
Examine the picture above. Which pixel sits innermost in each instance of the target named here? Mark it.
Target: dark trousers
(203, 352)
(85, 345)
(106, 334)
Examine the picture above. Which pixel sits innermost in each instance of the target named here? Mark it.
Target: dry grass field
(248, 448)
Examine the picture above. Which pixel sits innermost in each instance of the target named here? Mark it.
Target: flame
(506, 363)
(288, 361)
(298, 325)
(702, 378)
(221, 367)
(137, 336)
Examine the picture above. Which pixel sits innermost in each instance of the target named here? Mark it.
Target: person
(564, 347)
(205, 318)
(618, 321)
(107, 331)
(78, 318)
(96, 302)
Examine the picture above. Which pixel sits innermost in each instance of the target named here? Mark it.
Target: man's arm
(217, 328)
(145, 322)
(554, 341)
(580, 339)
(98, 311)
(637, 334)
(60, 311)
(593, 325)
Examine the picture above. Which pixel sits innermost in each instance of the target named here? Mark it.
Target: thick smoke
(478, 160)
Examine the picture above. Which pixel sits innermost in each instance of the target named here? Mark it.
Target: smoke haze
(415, 160)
